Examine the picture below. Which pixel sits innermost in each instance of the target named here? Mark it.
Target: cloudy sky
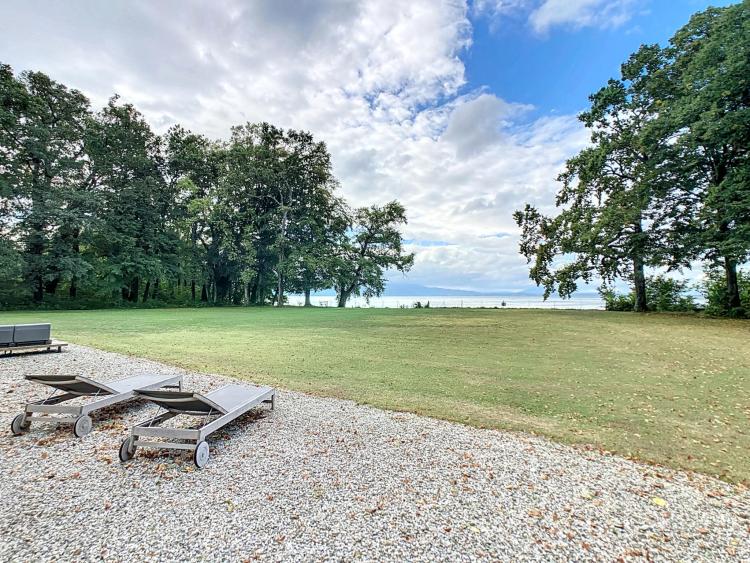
(462, 111)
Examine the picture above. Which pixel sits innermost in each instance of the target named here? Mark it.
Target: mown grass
(667, 389)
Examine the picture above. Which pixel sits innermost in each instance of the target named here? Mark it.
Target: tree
(308, 221)
(42, 172)
(701, 92)
(134, 236)
(711, 61)
(372, 245)
(605, 198)
(316, 245)
(213, 208)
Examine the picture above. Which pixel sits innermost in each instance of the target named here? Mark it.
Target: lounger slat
(182, 402)
(75, 384)
(233, 396)
(144, 381)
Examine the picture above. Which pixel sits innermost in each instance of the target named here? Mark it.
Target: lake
(474, 301)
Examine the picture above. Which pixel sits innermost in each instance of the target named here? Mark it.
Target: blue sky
(462, 111)
(558, 69)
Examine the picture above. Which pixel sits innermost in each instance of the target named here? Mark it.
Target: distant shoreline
(456, 302)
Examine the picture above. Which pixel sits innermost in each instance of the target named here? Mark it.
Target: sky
(463, 111)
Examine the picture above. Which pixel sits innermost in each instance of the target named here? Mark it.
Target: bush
(618, 302)
(662, 295)
(668, 295)
(714, 288)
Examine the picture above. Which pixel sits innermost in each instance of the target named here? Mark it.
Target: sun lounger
(50, 410)
(224, 404)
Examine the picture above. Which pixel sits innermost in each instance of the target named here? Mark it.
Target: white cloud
(581, 13)
(475, 124)
(543, 15)
(380, 82)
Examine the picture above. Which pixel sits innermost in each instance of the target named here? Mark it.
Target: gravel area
(326, 479)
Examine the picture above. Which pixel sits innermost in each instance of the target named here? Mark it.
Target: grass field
(666, 389)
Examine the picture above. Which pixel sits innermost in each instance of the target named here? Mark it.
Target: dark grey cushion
(6, 335)
(32, 333)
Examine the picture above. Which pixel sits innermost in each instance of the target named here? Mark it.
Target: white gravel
(325, 479)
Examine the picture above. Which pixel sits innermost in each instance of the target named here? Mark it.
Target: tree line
(665, 182)
(96, 209)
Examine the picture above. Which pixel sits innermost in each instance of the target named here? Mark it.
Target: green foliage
(614, 301)
(97, 210)
(663, 295)
(669, 295)
(714, 289)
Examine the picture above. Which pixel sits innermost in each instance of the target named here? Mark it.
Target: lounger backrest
(181, 401)
(6, 335)
(75, 384)
(32, 333)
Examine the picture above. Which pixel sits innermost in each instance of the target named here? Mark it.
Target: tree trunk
(307, 298)
(147, 291)
(134, 286)
(192, 289)
(36, 240)
(254, 292)
(280, 292)
(733, 288)
(204, 293)
(50, 287)
(343, 298)
(639, 284)
(155, 292)
(222, 285)
(260, 290)
(38, 289)
(73, 289)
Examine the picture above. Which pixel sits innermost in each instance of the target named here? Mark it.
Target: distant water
(472, 302)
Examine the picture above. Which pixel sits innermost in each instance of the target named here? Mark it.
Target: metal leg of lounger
(150, 429)
(78, 415)
(272, 400)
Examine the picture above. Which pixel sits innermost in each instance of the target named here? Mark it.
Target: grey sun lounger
(224, 404)
(51, 410)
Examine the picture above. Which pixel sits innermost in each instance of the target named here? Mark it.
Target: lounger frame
(52, 345)
(191, 437)
(43, 410)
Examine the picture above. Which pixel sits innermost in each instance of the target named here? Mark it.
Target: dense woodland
(97, 210)
(665, 183)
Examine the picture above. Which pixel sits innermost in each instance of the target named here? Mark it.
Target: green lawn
(667, 389)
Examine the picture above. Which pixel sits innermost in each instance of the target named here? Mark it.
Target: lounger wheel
(127, 449)
(82, 426)
(200, 455)
(19, 424)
